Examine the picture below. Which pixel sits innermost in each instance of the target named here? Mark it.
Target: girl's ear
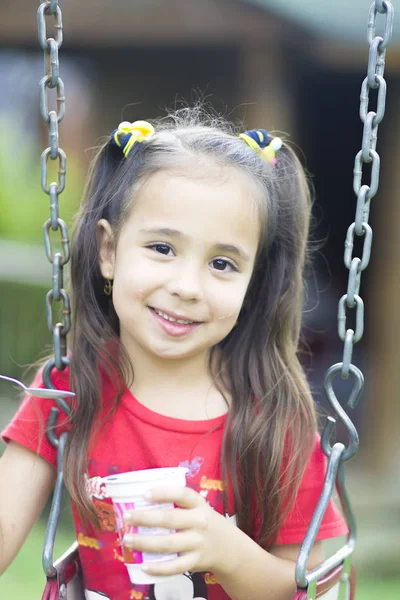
(105, 240)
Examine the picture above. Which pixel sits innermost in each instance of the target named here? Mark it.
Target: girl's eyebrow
(229, 248)
(164, 231)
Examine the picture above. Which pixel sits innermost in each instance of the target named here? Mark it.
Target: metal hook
(339, 410)
(47, 557)
(303, 578)
(49, 384)
(40, 392)
(51, 423)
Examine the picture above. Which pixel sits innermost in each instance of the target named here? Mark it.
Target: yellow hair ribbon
(250, 142)
(265, 149)
(139, 130)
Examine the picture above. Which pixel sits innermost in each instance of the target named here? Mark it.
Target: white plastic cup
(126, 491)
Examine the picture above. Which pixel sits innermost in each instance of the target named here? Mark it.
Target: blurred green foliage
(24, 334)
(23, 204)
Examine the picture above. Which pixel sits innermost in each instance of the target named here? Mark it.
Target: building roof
(342, 20)
(148, 23)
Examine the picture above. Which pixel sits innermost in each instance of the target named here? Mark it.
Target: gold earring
(108, 287)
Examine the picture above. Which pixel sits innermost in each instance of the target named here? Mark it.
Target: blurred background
(289, 66)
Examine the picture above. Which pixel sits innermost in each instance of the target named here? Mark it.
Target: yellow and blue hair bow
(127, 134)
(263, 144)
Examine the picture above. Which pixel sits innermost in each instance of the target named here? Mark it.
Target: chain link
(49, 8)
(384, 8)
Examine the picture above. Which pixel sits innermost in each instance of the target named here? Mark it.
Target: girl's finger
(177, 566)
(172, 518)
(181, 542)
(184, 497)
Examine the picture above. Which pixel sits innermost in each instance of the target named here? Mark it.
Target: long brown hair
(271, 421)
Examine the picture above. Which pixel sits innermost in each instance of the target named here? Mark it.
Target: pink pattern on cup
(130, 555)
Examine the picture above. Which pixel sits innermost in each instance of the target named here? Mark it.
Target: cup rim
(143, 475)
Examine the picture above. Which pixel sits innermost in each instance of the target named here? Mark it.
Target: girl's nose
(186, 282)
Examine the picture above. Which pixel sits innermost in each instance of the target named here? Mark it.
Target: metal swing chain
(338, 453)
(49, 9)
(57, 259)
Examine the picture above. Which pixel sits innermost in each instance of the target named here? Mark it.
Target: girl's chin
(169, 352)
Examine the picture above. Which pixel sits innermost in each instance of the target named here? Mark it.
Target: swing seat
(69, 574)
(67, 585)
(333, 586)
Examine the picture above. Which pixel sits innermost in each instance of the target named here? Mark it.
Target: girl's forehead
(198, 206)
(230, 196)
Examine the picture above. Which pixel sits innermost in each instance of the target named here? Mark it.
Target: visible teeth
(168, 318)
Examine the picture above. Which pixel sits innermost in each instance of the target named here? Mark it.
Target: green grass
(375, 589)
(24, 580)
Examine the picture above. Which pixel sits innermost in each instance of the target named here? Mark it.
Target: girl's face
(182, 262)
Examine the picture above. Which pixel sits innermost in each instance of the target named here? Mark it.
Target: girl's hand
(201, 539)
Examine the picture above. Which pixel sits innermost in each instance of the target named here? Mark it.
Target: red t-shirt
(137, 438)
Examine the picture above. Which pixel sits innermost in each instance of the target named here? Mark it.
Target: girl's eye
(160, 248)
(220, 264)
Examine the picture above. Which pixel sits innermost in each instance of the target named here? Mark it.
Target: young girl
(187, 281)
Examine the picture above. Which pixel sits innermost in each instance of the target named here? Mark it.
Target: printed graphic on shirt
(88, 542)
(188, 586)
(92, 595)
(210, 489)
(194, 465)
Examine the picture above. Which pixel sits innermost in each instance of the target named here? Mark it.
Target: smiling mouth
(172, 319)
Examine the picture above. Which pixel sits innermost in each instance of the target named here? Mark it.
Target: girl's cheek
(140, 281)
(228, 303)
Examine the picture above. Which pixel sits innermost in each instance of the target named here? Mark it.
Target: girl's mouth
(173, 325)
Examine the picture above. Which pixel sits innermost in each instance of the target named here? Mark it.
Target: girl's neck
(177, 388)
